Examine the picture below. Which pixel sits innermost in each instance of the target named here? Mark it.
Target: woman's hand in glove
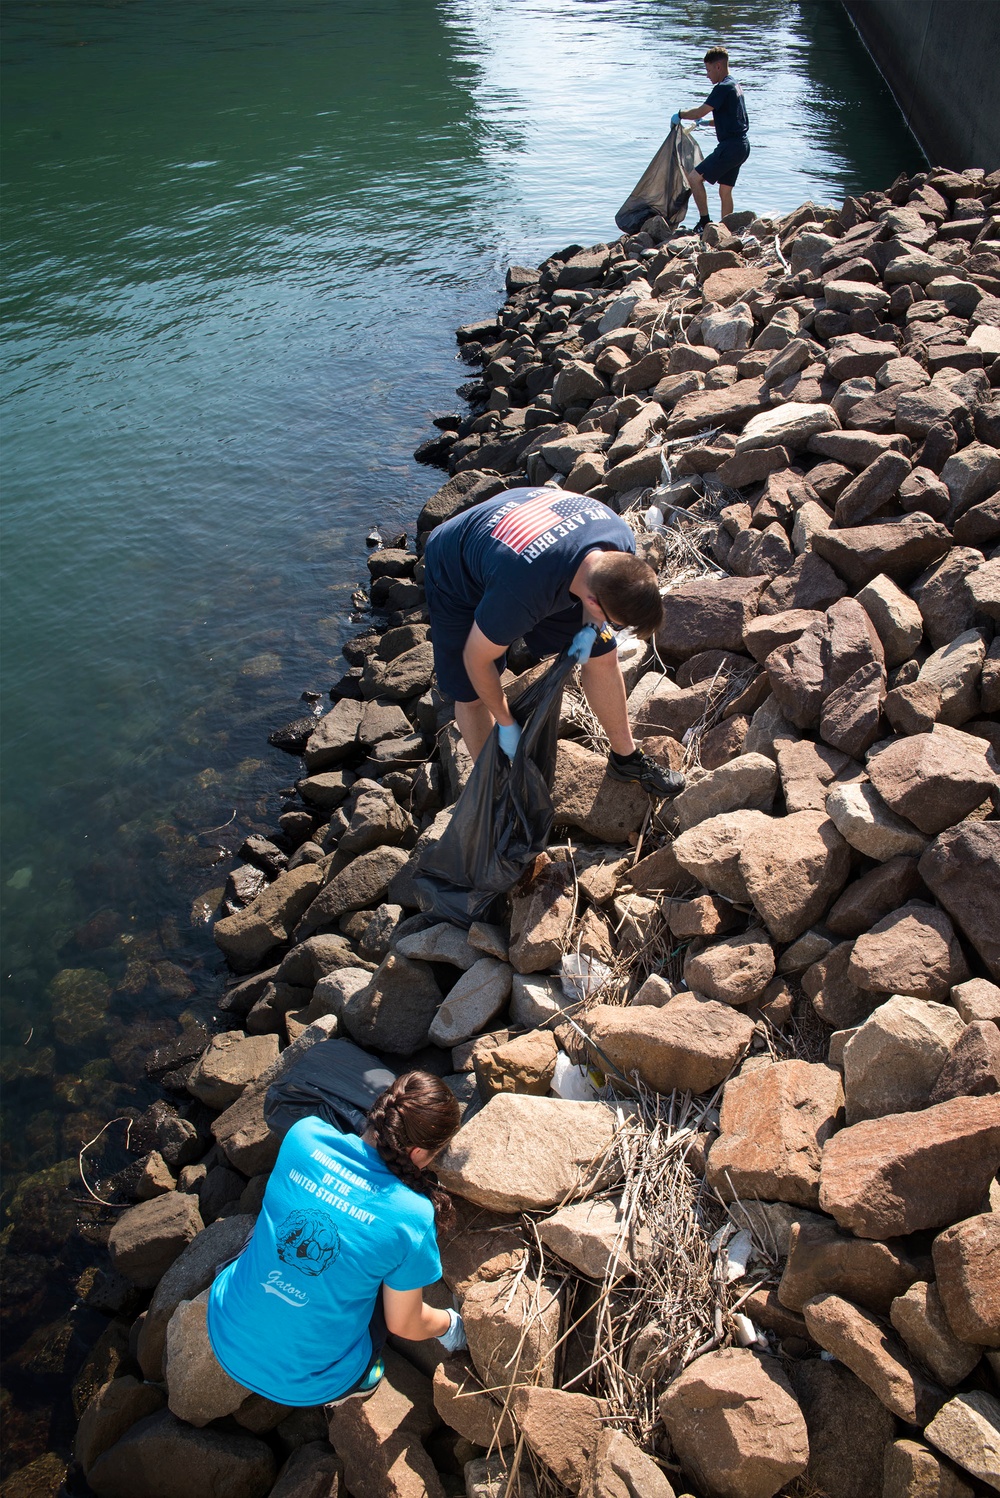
(510, 736)
(453, 1339)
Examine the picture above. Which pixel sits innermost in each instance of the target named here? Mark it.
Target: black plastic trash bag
(335, 1080)
(502, 819)
(663, 187)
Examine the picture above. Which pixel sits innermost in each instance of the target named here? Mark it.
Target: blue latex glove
(675, 119)
(582, 645)
(454, 1338)
(510, 736)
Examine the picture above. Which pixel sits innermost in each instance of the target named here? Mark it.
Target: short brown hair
(717, 54)
(628, 592)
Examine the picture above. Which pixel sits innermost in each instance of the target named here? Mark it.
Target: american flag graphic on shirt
(526, 522)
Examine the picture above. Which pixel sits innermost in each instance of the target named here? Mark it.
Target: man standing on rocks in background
(726, 105)
(554, 569)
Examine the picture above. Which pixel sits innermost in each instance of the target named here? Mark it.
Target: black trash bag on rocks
(663, 187)
(502, 819)
(334, 1080)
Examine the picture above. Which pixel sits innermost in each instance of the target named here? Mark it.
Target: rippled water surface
(238, 239)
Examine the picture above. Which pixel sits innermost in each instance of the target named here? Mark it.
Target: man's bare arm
(479, 658)
(695, 114)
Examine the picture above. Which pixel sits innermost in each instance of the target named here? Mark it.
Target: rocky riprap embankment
(814, 923)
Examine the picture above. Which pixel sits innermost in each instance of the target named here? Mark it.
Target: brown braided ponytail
(417, 1110)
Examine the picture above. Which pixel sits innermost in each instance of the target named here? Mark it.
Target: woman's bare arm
(407, 1316)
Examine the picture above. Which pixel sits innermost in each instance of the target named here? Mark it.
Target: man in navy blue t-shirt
(729, 112)
(551, 568)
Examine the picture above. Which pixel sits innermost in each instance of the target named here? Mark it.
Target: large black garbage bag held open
(334, 1080)
(503, 817)
(663, 186)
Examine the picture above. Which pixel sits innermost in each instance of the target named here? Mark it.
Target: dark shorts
(723, 165)
(450, 626)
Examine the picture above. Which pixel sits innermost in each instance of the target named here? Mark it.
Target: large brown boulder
(793, 868)
(242, 1131)
(890, 1176)
(882, 890)
(585, 796)
(892, 1061)
(912, 1471)
(863, 820)
(809, 771)
(961, 868)
(711, 851)
(849, 1430)
(562, 1429)
(395, 1010)
(912, 950)
(162, 1457)
(115, 1407)
(362, 885)
(525, 1064)
(334, 737)
(462, 1403)
(900, 548)
(821, 1258)
(379, 1439)
(146, 1239)
(734, 1424)
(691, 1043)
(973, 1065)
(832, 677)
(875, 1354)
(707, 615)
(967, 1265)
(230, 1063)
(589, 1235)
(749, 781)
(735, 970)
(199, 1389)
(932, 779)
(512, 1325)
(542, 915)
(618, 1469)
(190, 1273)
(919, 1318)
(967, 1429)
(895, 616)
(526, 1153)
(313, 1470)
(774, 1123)
(729, 407)
(249, 936)
(977, 999)
(836, 999)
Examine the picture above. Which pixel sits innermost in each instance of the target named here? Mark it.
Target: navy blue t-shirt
(510, 560)
(729, 112)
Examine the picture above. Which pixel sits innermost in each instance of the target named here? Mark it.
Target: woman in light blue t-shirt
(344, 1245)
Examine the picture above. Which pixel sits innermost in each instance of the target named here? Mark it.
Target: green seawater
(237, 239)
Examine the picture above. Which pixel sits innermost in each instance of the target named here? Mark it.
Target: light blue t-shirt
(289, 1319)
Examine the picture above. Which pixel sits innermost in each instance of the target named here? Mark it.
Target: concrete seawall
(941, 58)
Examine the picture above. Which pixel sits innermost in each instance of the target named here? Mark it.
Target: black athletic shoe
(654, 779)
(702, 224)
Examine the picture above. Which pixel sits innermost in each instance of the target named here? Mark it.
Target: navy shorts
(723, 165)
(450, 626)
